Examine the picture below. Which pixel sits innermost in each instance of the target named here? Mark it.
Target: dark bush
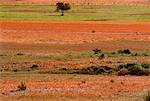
(126, 51)
(92, 70)
(103, 56)
(34, 66)
(113, 53)
(144, 54)
(144, 65)
(112, 81)
(19, 54)
(97, 51)
(133, 69)
(93, 31)
(136, 70)
(15, 70)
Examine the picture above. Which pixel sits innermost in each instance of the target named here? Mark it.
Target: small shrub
(112, 81)
(147, 97)
(93, 31)
(113, 53)
(102, 56)
(136, 54)
(19, 54)
(65, 69)
(133, 69)
(126, 51)
(144, 65)
(97, 51)
(92, 70)
(22, 86)
(15, 70)
(136, 70)
(34, 66)
(144, 54)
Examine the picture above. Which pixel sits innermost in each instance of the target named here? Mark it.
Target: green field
(84, 13)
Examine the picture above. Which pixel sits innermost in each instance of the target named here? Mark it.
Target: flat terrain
(60, 44)
(48, 52)
(74, 87)
(78, 2)
(76, 13)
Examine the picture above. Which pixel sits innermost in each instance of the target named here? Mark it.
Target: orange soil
(72, 32)
(77, 26)
(73, 86)
(73, 35)
(38, 36)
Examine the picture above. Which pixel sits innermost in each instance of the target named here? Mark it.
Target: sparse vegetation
(133, 69)
(56, 61)
(22, 86)
(97, 51)
(34, 66)
(126, 51)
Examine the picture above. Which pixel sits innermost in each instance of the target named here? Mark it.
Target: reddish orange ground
(79, 87)
(75, 36)
(52, 37)
(77, 26)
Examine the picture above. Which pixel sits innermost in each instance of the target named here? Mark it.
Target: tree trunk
(62, 13)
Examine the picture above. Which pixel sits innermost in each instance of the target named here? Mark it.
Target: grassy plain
(84, 13)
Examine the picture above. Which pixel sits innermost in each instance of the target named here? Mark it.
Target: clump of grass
(22, 86)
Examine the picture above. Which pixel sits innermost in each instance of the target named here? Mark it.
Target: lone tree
(62, 7)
